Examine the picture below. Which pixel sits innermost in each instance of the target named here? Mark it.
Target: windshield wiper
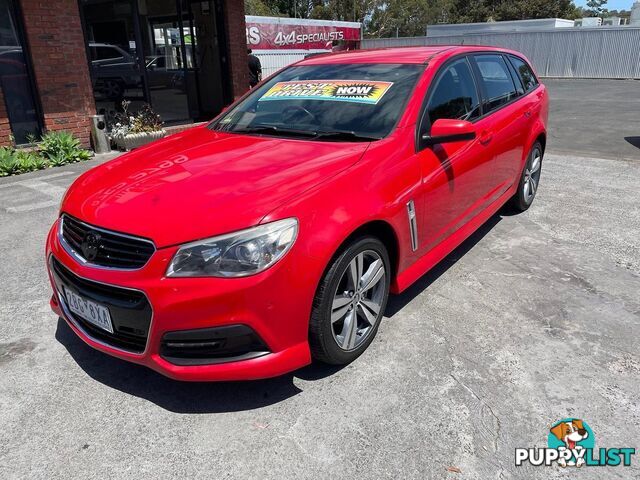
(346, 135)
(273, 130)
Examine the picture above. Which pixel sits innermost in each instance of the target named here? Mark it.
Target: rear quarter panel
(539, 98)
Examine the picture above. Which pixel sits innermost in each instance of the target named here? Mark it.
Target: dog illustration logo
(573, 434)
(571, 443)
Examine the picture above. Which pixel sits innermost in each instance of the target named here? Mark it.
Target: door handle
(527, 113)
(485, 138)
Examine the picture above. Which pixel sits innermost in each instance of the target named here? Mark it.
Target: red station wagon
(245, 248)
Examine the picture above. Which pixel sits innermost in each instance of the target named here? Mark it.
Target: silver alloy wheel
(532, 175)
(358, 299)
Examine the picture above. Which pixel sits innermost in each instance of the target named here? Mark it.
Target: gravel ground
(534, 318)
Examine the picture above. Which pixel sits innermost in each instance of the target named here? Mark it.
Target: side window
(516, 78)
(107, 53)
(498, 84)
(454, 95)
(524, 71)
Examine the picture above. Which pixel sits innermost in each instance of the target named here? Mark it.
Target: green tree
(596, 8)
(498, 10)
(291, 8)
(403, 18)
(526, 9)
(344, 10)
(388, 18)
(257, 7)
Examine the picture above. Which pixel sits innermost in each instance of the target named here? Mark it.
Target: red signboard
(276, 34)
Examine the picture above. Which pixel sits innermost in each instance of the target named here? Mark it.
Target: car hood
(201, 183)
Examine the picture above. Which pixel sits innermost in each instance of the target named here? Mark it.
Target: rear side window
(106, 53)
(455, 95)
(529, 80)
(498, 84)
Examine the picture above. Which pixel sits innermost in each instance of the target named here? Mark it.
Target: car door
(454, 175)
(530, 105)
(505, 117)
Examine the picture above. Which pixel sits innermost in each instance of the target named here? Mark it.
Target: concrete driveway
(535, 318)
(597, 118)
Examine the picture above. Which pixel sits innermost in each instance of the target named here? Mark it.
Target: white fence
(603, 52)
(274, 60)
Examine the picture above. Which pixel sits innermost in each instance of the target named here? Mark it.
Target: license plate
(92, 312)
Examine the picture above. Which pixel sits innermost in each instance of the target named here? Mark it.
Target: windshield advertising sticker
(359, 91)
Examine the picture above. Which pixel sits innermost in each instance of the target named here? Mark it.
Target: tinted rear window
(529, 80)
(498, 84)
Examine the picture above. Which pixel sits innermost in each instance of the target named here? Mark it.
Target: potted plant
(133, 130)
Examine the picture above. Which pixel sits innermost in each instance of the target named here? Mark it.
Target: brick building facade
(55, 47)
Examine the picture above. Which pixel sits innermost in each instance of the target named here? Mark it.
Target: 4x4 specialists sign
(273, 33)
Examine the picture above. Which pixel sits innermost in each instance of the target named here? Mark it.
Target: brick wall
(5, 128)
(54, 34)
(237, 42)
(55, 37)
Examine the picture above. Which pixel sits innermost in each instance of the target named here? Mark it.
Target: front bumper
(265, 314)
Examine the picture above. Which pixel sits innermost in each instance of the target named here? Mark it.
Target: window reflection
(165, 53)
(166, 65)
(113, 55)
(15, 80)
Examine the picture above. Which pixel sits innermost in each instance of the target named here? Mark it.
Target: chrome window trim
(69, 316)
(83, 261)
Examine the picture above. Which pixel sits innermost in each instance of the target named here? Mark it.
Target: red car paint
(201, 183)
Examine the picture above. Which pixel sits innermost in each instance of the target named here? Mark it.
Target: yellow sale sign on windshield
(359, 91)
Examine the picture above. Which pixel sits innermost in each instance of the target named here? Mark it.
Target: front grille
(104, 248)
(130, 310)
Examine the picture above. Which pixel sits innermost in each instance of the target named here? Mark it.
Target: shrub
(58, 160)
(143, 121)
(29, 161)
(146, 120)
(8, 162)
(61, 148)
(13, 162)
(55, 149)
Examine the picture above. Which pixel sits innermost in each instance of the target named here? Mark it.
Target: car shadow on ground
(398, 302)
(184, 397)
(194, 398)
(635, 141)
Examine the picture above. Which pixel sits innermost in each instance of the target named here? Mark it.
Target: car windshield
(340, 102)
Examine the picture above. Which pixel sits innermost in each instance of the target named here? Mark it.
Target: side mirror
(446, 130)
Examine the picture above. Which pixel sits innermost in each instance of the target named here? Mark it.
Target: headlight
(238, 254)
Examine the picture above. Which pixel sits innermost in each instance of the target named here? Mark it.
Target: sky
(611, 4)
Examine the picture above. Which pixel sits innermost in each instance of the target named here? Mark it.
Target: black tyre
(529, 180)
(113, 89)
(350, 302)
